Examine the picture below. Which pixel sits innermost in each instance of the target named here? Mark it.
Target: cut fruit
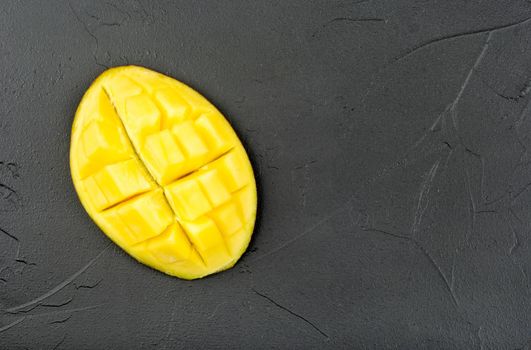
(162, 173)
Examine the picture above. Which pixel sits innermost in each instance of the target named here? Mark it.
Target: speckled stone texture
(390, 142)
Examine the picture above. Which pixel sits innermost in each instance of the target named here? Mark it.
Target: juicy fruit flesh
(162, 173)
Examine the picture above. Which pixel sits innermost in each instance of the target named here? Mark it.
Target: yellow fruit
(162, 173)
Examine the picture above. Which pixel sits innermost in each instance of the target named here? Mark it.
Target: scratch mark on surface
(431, 129)
(63, 320)
(523, 115)
(482, 179)
(12, 324)
(120, 10)
(59, 344)
(439, 39)
(467, 80)
(305, 185)
(304, 233)
(440, 272)
(495, 92)
(89, 32)
(105, 24)
(60, 312)
(516, 217)
(59, 287)
(9, 199)
(471, 71)
(292, 313)
(17, 242)
(396, 235)
(515, 245)
(25, 262)
(453, 114)
(451, 108)
(9, 234)
(472, 209)
(486, 211)
(422, 204)
(216, 309)
(525, 90)
(348, 20)
(516, 240)
(68, 301)
(423, 199)
(110, 24)
(87, 286)
(520, 192)
(26, 310)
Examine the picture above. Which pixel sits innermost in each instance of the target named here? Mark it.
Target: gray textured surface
(390, 144)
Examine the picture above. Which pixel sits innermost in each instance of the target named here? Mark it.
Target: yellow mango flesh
(162, 173)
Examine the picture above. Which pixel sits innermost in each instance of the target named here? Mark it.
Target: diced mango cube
(203, 233)
(117, 182)
(213, 186)
(102, 144)
(142, 217)
(142, 117)
(237, 240)
(94, 193)
(191, 143)
(234, 169)
(216, 132)
(150, 81)
(174, 106)
(163, 157)
(171, 246)
(187, 199)
(198, 103)
(228, 218)
(121, 87)
(217, 256)
(246, 201)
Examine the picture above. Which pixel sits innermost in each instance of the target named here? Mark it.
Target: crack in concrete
(59, 287)
(89, 32)
(292, 313)
(436, 40)
(12, 324)
(423, 198)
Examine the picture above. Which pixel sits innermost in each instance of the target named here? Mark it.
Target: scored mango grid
(196, 242)
(201, 191)
(191, 136)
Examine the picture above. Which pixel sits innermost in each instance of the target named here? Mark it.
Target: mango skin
(162, 173)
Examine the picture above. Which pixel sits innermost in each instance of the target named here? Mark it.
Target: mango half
(162, 173)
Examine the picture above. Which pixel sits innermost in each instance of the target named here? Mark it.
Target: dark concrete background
(390, 143)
